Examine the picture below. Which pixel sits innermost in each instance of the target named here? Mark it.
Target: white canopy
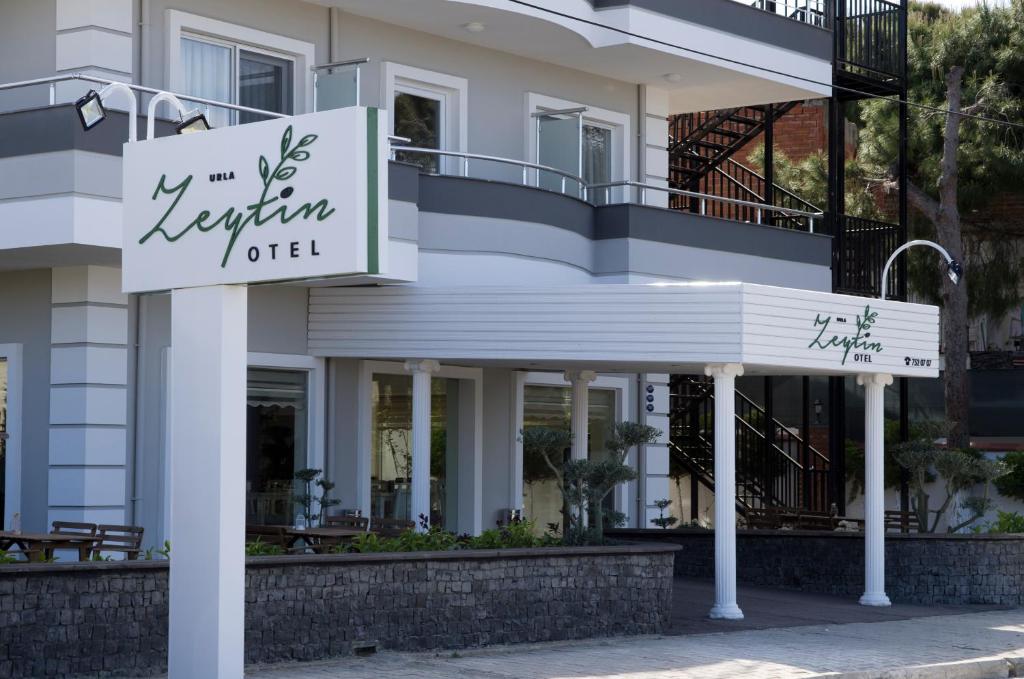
(675, 327)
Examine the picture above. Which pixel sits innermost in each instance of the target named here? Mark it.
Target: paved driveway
(816, 650)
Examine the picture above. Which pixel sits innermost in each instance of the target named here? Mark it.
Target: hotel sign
(293, 198)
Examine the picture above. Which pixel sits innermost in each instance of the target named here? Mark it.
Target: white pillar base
(726, 612)
(874, 599)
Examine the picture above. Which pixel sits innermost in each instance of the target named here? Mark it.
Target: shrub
(1007, 522)
(1012, 483)
(259, 548)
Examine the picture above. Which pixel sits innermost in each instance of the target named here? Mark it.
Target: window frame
(195, 27)
(620, 125)
(625, 410)
(453, 93)
(12, 355)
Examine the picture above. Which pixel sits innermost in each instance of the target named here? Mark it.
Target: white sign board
(284, 199)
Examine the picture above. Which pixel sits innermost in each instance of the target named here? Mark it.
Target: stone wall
(922, 569)
(110, 619)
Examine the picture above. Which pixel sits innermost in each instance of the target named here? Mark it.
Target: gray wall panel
(25, 320)
(28, 49)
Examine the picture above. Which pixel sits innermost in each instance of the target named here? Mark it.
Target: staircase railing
(735, 180)
(775, 467)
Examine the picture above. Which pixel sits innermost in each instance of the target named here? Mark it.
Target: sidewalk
(970, 646)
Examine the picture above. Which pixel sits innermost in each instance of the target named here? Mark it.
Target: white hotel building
(513, 283)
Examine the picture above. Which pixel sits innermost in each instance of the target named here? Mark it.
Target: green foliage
(808, 179)
(259, 548)
(514, 535)
(986, 41)
(1007, 522)
(311, 479)
(663, 521)
(7, 557)
(1011, 484)
(855, 458)
(959, 471)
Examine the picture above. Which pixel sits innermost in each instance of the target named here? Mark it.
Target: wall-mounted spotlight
(954, 269)
(191, 123)
(90, 110)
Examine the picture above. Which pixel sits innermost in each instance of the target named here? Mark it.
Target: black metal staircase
(775, 467)
(700, 142)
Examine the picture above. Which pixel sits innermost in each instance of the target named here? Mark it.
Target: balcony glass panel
(337, 87)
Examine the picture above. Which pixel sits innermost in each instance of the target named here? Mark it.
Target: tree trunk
(954, 297)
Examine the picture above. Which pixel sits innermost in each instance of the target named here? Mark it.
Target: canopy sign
(285, 199)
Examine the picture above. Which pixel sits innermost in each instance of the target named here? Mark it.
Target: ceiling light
(195, 122)
(673, 78)
(954, 271)
(474, 27)
(90, 110)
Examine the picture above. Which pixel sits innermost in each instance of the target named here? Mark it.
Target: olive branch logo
(858, 341)
(234, 220)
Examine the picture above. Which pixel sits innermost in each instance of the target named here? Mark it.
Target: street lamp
(92, 112)
(954, 269)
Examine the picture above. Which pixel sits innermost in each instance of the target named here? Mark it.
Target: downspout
(133, 413)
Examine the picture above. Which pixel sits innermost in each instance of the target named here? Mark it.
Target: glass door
(277, 417)
(551, 406)
(559, 145)
(419, 117)
(391, 449)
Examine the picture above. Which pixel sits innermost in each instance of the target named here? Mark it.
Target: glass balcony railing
(336, 85)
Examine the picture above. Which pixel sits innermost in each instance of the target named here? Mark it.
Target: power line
(765, 69)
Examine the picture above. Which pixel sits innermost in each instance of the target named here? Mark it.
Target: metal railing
(53, 80)
(813, 12)
(703, 200)
(868, 42)
(464, 158)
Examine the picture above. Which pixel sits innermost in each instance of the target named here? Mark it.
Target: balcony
(505, 211)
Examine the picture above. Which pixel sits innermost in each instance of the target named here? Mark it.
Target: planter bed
(920, 568)
(110, 618)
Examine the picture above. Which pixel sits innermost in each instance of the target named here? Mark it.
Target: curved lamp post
(91, 112)
(191, 120)
(954, 269)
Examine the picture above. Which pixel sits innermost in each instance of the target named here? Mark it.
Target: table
(40, 546)
(320, 538)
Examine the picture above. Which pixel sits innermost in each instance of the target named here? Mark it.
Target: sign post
(207, 569)
(205, 215)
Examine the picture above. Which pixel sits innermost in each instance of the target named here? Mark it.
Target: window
(277, 416)
(223, 61)
(391, 449)
(429, 109)
(579, 139)
(418, 118)
(225, 72)
(550, 406)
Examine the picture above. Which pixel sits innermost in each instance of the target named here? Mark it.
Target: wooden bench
(268, 535)
(348, 521)
(73, 529)
(390, 528)
(899, 521)
(125, 540)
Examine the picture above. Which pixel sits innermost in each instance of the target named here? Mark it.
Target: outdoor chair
(765, 518)
(347, 521)
(75, 529)
(390, 528)
(125, 540)
(899, 521)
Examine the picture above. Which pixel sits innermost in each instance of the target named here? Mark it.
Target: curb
(996, 668)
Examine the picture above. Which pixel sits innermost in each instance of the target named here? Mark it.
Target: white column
(580, 381)
(88, 446)
(419, 503)
(94, 38)
(725, 490)
(207, 567)
(874, 488)
(653, 149)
